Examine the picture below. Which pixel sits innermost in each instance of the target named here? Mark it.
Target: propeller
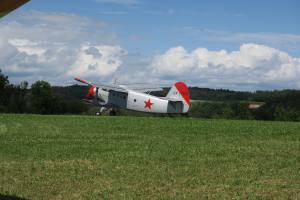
(92, 90)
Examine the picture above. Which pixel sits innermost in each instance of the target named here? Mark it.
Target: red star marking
(148, 104)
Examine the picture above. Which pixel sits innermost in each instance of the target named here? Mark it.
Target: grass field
(81, 157)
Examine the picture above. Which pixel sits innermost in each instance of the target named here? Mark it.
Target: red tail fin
(184, 91)
(180, 92)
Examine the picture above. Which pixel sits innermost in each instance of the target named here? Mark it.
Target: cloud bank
(252, 66)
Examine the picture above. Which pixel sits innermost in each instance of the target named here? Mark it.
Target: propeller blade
(83, 81)
(92, 90)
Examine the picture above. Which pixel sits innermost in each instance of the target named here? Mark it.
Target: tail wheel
(98, 113)
(112, 112)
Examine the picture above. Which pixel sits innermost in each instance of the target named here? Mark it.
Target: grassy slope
(72, 157)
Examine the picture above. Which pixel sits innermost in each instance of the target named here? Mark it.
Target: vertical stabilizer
(180, 92)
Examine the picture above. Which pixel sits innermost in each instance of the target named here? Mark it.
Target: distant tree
(18, 100)
(42, 98)
(241, 111)
(281, 114)
(4, 82)
(227, 112)
(4, 92)
(44, 101)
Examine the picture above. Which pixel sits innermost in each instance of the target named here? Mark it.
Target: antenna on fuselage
(116, 81)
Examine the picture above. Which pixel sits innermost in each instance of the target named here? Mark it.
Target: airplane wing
(6, 6)
(105, 87)
(121, 88)
(143, 89)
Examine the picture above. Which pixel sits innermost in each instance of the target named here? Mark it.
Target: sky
(230, 44)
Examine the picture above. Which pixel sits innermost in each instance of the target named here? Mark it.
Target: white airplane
(111, 97)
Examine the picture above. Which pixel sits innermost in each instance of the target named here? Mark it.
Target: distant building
(255, 105)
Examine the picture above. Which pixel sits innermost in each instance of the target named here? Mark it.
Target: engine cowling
(92, 92)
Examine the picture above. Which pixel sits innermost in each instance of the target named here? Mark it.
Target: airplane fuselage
(137, 101)
(114, 96)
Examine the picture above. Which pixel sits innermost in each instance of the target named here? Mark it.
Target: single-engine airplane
(111, 97)
(7, 6)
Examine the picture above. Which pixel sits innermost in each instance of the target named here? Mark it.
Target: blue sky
(235, 44)
(156, 25)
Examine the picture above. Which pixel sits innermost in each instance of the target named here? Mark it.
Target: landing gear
(110, 111)
(101, 111)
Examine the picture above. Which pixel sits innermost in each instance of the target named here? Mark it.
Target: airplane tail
(180, 92)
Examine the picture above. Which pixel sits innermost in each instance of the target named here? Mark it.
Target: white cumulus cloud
(252, 66)
(96, 61)
(52, 46)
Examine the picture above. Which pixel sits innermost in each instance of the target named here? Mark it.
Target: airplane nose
(92, 92)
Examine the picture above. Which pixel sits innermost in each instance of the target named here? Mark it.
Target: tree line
(279, 105)
(42, 98)
(39, 99)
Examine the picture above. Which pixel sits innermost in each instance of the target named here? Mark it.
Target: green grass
(81, 157)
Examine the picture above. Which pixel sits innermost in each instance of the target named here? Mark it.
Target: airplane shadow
(10, 197)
